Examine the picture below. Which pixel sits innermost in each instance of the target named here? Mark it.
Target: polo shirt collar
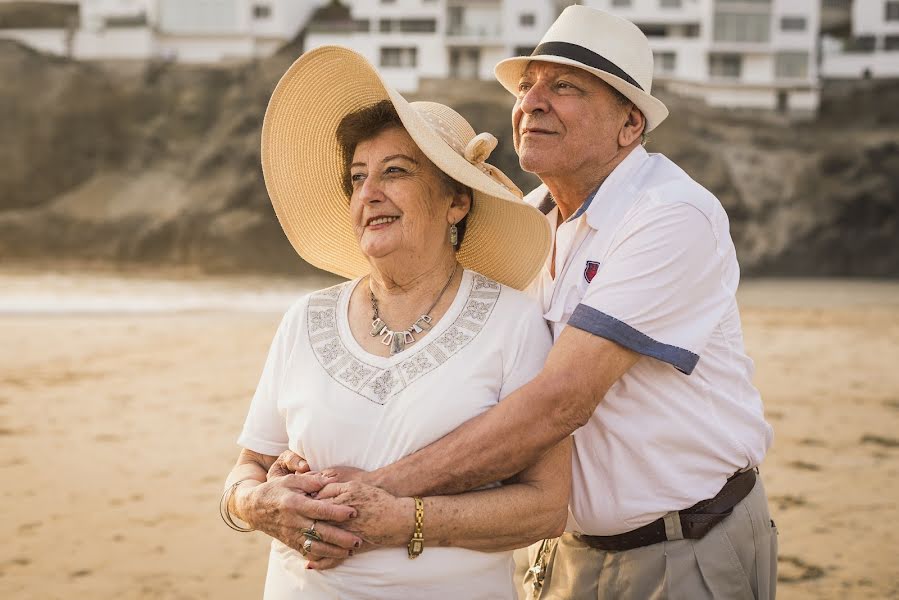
(616, 179)
(609, 196)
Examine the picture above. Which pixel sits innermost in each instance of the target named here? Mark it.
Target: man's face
(565, 121)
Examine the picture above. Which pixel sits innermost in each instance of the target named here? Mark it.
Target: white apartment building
(757, 54)
(185, 30)
(412, 39)
(873, 49)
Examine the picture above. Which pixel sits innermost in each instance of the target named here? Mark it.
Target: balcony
(480, 34)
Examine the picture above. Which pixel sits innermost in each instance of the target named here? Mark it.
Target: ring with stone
(310, 532)
(307, 546)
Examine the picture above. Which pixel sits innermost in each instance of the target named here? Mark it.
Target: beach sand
(117, 430)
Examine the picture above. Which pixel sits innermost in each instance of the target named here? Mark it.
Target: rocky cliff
(158, 164)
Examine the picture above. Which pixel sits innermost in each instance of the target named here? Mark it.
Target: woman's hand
(282, 508)
(383, 519)
(290, 462)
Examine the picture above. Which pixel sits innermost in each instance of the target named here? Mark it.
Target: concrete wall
(52, 41)
(855, 65)
(868, 18)
(132, 43)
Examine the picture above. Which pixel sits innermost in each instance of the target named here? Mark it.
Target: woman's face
(400, 206)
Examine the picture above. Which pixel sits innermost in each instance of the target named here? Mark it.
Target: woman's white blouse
(324, 397)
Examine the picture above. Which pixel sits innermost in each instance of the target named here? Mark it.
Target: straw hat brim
(508, 73)
(505, 239)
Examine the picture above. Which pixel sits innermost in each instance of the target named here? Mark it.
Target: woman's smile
(378, 223)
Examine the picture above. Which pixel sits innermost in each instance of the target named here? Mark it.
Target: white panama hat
(505, 239)
(612, 48)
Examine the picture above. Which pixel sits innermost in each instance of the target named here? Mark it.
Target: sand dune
(117, 430)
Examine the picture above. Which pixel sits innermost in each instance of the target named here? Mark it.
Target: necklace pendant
(408, 338)
(377, 327)
(397, 342)
(423, 322)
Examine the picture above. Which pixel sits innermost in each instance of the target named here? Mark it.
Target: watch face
(416, 547)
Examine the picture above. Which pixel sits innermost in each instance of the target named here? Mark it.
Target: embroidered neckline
(379, 383)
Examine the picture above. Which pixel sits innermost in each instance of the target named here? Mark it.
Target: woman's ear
(460, 205)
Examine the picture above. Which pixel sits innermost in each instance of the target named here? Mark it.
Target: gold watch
(417, 543)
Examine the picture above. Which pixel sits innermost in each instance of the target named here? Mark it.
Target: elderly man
(648, 370)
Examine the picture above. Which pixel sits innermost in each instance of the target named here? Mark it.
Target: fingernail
(354, 514)
(357, 544)
(310, 567)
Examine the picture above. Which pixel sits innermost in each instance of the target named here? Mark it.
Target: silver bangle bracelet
(225, 513)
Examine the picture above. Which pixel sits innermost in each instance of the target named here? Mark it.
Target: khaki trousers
(736, 560)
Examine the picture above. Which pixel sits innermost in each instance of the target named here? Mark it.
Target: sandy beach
(120, 403)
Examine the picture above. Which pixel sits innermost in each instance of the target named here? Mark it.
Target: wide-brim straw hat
(612, 48)
(505, 239)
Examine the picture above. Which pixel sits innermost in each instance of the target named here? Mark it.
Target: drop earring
(454, 235)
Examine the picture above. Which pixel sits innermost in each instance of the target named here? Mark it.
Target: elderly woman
(429, 332)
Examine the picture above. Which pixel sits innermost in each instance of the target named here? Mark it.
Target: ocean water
(67, 293)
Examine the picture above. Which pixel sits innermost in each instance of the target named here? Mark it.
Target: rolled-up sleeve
(660, 290)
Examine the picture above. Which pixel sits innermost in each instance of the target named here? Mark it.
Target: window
(418, 25)
(524, 50)
(654, 30)
(891, 11)
(262, 11)
(725, 66)
(385, 26)
(664, 62)
(621, 3)
(691, 30)
(742, 27)
(399, 57)
(861, 43)
(792, 24)
(670, 3)
(387, 1)
(527, 19)
(891, 42)
(791, 65)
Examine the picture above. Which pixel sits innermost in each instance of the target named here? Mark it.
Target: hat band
(585, 56)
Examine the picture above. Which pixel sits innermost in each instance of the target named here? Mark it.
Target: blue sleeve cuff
(598, 323)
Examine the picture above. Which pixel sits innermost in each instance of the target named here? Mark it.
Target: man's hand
(282, 508)
(383, 519)
(290, 462)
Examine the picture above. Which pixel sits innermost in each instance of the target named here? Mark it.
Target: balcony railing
(479, 31)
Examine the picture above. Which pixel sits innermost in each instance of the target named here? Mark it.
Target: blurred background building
(757, 54)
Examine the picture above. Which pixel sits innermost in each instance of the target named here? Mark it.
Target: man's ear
(633, 127)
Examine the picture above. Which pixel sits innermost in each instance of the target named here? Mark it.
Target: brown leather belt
(695, 521)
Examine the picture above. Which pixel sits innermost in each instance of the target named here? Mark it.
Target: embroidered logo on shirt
(590, 270)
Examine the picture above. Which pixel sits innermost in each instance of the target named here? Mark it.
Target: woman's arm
(282, 507)
(531, 506)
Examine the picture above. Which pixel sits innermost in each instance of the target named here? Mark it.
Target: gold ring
(307, 546)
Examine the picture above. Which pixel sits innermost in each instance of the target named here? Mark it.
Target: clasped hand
(378, 518)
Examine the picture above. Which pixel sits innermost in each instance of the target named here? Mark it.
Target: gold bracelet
(225, 513)
(417, 543)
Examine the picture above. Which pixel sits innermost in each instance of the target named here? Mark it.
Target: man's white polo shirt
(648, 262)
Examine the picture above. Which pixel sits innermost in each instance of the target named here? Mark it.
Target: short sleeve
(528, 343)
(265, 429)
(660, 290)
